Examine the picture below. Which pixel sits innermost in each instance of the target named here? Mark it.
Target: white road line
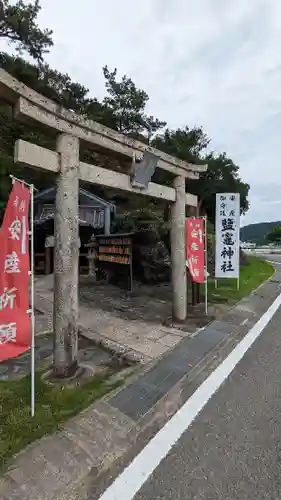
(129, 482)
(274, 262)
(244, 321)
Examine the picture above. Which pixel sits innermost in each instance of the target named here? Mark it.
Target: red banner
(195, 248)
(15, 326)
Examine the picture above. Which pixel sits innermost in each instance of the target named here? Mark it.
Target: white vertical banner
(227, 235)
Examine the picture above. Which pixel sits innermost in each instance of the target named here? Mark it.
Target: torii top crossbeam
(30, 105)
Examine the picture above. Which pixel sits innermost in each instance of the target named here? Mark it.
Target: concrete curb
(128, 355)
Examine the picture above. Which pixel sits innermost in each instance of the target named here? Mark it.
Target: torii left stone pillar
(66, 257)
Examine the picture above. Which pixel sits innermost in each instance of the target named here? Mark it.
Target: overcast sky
(215, 63)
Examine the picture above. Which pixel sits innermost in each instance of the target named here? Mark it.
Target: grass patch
(53, 407)
(251, 276)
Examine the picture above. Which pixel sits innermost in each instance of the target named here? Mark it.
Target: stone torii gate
(71, 130)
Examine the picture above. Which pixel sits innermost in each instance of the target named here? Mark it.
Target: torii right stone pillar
(178, 251)
(66, 258)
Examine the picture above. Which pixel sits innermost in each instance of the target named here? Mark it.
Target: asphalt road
(272, 257)
(233, 448)
(227, 434)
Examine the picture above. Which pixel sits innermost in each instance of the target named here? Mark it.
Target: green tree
(186, 144)
(127, 104)
(52, 84)
(124, 110)
(275, 235)
(18, 24)
(222, 174)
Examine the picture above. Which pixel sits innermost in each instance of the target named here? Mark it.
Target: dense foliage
(258, 233)
(274, 236)
(122, 109)
(18, 25)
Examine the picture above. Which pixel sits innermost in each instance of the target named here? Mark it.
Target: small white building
(245, 245)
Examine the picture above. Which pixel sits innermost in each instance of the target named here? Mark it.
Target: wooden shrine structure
(95, 216)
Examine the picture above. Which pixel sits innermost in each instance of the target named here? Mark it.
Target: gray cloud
(212, 63)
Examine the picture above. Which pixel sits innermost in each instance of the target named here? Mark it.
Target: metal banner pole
(32, 302)
(206, 268)
(31, 274)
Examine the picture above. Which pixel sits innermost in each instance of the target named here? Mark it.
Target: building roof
(85, 198)
(98, 221)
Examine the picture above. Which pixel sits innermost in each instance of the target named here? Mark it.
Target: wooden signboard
(116, 249)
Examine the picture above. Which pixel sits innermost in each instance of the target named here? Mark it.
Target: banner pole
(206, 267)
(19, 180)
(32, 302)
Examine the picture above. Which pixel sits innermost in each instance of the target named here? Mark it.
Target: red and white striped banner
(195, 248)
(15, 324)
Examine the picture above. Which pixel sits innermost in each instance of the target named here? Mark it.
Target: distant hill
(256, 233)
